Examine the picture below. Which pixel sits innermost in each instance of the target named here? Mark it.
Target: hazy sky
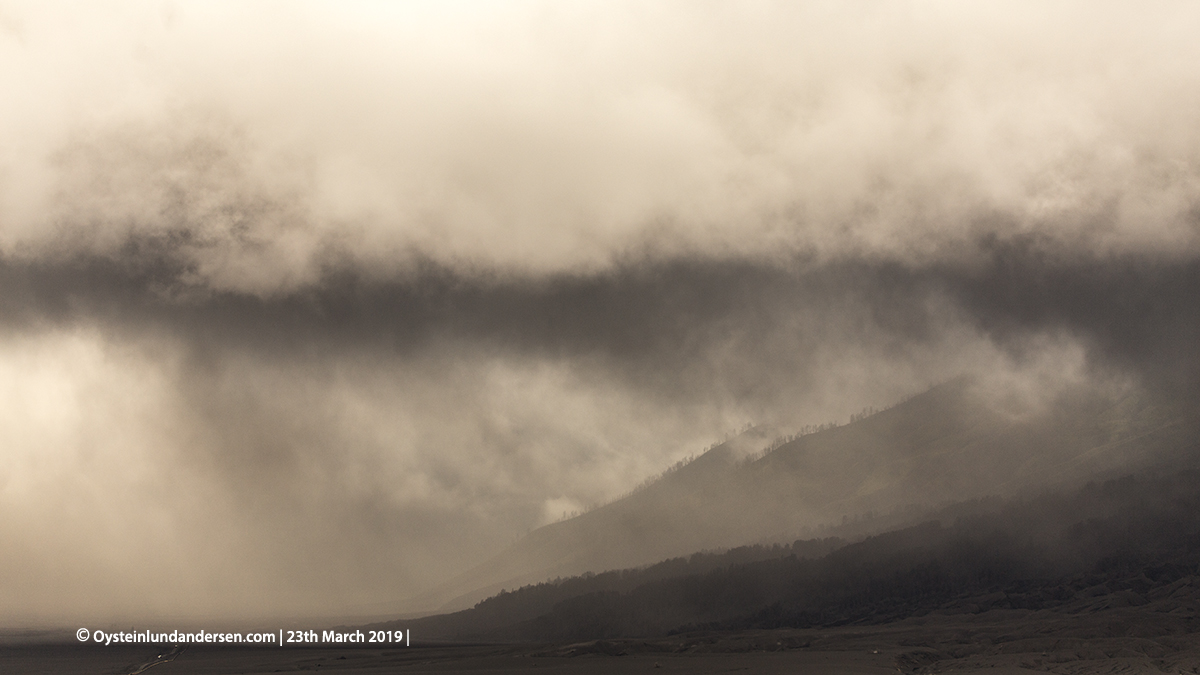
(310, 305)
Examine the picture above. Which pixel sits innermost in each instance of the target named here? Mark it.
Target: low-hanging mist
(307, 308)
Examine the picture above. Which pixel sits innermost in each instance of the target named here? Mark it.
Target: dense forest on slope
(949, 444)
(501, 610)
(1116, 540)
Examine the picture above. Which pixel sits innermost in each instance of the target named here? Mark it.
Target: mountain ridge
(1117, 543)
(952, 442)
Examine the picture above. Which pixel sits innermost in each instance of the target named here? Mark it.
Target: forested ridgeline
(501, 611)
(1118, 539)
(881, 472)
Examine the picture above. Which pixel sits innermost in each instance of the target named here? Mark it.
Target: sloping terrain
(1131, 542)
(950, 443)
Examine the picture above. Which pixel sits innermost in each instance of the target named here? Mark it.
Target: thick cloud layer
(308, 307)
(264, 140)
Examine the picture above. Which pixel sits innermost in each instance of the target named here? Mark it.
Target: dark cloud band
(1133, 310)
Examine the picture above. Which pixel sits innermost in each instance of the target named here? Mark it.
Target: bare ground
(1088, 636)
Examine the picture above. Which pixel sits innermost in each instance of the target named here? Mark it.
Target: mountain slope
(950, 443)
(1120, 543)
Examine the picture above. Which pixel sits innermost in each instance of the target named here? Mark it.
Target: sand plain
(1073, 640)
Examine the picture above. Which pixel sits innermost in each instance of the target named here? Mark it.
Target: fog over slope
(303, 306)
(956, 443)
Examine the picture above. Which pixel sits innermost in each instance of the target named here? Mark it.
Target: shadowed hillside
(950, 443)
(1123, 543)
